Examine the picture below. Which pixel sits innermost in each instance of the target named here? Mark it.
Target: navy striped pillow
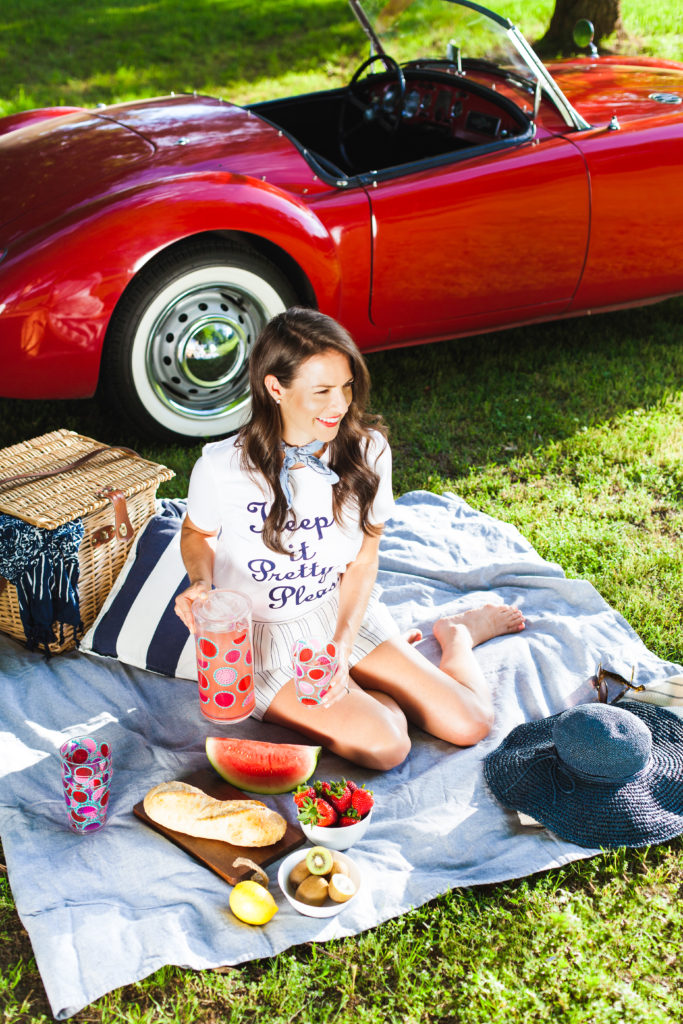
(137, 624)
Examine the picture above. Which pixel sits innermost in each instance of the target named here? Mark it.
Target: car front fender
(58, 290)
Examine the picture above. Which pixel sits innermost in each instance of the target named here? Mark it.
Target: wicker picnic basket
(61, 476)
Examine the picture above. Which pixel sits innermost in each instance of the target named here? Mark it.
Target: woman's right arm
(198, 550)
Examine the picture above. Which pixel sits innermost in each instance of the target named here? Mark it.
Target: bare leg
(364, 727)
(452, 701)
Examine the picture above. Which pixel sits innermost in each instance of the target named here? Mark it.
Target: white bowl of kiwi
(319, 882)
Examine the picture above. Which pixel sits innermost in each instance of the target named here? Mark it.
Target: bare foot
(412, 636)
(481, 623)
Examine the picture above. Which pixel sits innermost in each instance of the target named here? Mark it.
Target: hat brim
(526, 774)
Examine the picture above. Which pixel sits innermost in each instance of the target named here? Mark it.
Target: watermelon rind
(258, 766)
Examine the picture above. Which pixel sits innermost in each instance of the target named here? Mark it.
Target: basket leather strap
(41, 474)
(122, 529)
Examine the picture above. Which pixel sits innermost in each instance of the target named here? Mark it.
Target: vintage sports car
(455, 185)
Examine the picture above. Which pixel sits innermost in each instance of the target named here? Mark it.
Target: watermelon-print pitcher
(225, 664)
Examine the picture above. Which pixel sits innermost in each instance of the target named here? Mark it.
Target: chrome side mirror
(583, 35)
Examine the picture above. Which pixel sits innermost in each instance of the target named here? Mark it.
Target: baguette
(184, 808)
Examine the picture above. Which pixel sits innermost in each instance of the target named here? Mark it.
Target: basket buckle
(122, 529)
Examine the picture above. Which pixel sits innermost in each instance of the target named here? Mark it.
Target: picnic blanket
(109, 909)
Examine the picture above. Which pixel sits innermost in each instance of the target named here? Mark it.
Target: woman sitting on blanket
(290, 512)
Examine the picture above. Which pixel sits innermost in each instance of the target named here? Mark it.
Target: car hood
(627, 87)
(51, 166)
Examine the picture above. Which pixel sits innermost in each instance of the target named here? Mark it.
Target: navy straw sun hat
(597, 775)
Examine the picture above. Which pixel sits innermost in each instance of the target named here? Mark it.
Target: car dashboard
(369, 127)
(451, 109)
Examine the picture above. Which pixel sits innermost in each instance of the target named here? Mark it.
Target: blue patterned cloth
(43, 566)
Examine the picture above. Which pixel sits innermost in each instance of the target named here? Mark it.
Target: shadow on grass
(93, 52)
(492, 398)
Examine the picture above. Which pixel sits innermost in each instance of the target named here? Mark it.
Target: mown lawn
(571, 431)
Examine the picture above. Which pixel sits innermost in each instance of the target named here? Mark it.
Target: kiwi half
(319, 860)
(341, 888)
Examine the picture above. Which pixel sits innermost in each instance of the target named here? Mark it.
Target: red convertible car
(455, 185)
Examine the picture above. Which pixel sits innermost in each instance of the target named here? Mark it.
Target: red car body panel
(636, 201)
(618, 85)
(25, 117)
(635, 252)
(570, 221)
(462, 227)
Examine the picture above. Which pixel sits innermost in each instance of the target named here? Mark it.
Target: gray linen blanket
(108, 909)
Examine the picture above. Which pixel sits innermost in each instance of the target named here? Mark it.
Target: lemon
(252, 903)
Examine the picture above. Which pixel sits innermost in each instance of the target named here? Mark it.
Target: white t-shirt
(223, 497)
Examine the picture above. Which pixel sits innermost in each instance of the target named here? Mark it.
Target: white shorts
(272, 643)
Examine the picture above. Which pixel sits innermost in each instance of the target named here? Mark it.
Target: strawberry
(336, 793)
(301, 792)
(316, 811)
(362, 801)
(352, 817)
(352, 785)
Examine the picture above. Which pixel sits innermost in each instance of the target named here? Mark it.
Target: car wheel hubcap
(199, 348)
(212, 353)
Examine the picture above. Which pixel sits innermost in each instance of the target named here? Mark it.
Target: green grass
(572, 431)
(595, 943)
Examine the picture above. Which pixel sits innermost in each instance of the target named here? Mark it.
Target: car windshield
(457, 30)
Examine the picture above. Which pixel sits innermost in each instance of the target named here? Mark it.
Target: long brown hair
(286, 342)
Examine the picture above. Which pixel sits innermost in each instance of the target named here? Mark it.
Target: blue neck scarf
(302, 453)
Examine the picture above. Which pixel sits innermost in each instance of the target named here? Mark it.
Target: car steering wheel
(374, 110)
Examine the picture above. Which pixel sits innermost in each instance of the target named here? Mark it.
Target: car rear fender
(60, 291)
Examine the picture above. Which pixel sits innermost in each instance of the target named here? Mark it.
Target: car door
(635, 252)
(494, 237)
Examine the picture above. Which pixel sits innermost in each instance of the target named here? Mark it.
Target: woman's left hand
(341, 680)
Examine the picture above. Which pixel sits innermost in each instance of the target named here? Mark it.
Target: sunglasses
(599, 681)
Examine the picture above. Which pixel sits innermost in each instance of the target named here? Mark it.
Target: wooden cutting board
(214, 854)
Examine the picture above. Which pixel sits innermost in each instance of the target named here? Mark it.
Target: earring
(277, 401)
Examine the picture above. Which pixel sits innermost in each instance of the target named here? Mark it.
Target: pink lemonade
(225, 673)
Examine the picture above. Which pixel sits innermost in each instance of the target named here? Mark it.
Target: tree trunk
(605, 15)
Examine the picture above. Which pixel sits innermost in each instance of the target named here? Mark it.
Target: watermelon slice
(261, 767)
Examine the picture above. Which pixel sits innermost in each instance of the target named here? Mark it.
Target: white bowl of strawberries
(335, 814)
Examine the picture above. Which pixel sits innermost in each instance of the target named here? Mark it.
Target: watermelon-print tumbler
(225, 669)
(314, 662)
(86, 777)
